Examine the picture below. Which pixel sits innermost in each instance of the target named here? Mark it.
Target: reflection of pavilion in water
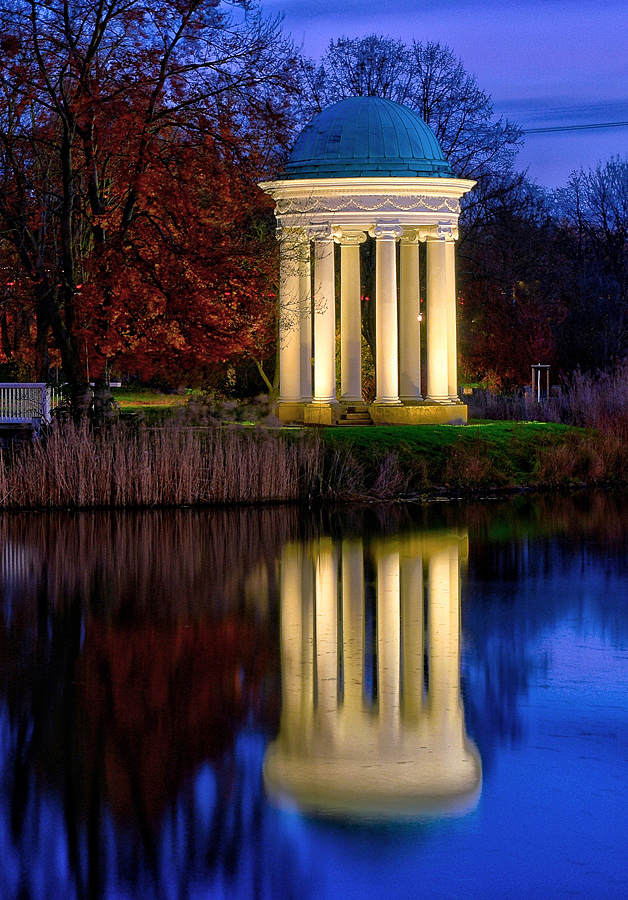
(372, 720)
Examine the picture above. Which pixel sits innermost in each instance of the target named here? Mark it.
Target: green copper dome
(365, 136)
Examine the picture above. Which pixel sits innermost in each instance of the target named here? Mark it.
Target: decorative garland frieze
(288, 205)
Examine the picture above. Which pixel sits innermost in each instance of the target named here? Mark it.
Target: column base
(352, 401)
(425, 413)
(321, 413)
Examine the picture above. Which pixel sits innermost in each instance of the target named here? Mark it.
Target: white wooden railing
(27, 404)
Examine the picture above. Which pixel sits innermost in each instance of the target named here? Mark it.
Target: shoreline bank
(79, 467)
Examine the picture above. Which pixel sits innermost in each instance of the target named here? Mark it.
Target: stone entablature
(363, 201)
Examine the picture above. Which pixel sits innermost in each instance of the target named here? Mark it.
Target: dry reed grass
(598, 401)
(78, 467)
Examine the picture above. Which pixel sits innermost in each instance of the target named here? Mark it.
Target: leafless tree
(427, 78)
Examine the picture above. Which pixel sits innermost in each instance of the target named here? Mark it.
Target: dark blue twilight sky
(545, 63)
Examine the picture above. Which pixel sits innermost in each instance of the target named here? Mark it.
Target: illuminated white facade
(314, 214)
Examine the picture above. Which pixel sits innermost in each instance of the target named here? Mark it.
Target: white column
(409, 319)
(437, 329)
(452, 338)
(350, 317)
(305, 326)
(289, 319)
(324, 315)
(386, 332)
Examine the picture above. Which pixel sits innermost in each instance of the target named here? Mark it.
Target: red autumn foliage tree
(188, 286)
(131, 136)
(157, 703)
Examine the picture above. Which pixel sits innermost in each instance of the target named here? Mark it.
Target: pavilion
(367, 167)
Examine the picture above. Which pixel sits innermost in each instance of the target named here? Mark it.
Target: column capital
(410, 236)
(321, 233)
(444, 231)
(387, 231)
(348, 237)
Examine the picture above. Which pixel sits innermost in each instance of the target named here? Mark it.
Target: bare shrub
(390, 478)
(598, 401)
(469, 465)
(484, 404)
(589, 458)
(557, 465)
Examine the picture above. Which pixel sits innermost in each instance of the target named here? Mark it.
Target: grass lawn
(508, 449)
(153, 405)
(135, 399)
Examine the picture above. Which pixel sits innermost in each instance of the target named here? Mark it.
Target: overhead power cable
(554, 128)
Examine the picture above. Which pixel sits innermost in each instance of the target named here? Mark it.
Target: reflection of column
(289, 321)
(305, 327)
(444, 634)
(326, 602)
(308, 645)
(386, 334)
(292, 633)
(350, 316)
(324, 315)
(353, 624)
(397, 759)
(409, 321)
(388, 641)
(411, 590)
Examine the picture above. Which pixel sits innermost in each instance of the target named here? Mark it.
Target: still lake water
(395, 702)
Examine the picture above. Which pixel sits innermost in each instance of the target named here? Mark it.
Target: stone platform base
(390, 788)
(424, 413)
(321, 413)
(420, 414)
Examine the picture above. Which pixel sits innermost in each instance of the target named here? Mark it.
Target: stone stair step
(355, 417)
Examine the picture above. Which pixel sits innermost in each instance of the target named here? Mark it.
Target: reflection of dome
(364, 136)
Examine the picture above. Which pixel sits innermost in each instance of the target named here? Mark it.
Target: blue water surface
(141, 687)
